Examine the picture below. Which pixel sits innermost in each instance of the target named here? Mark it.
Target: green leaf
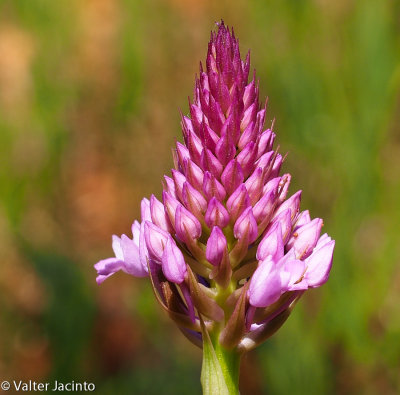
(212, 378)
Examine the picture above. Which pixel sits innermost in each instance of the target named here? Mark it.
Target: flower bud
(187, 226)
(212, 187)
(145, 209)
(238, 202)
(171, 205)
(265, 284)
(194, 201)
(265, 142)
(293, 204)
(173, 263)
(156, 239)
(305, 238)
(194, 174)
(254, 185)
(216, 214)
(179, 180)
(211, 163)
(232, 176)
(225, 149)
(216, 246)
(319, 262)
(246, 158)
(169, 186)
(246, 224)
(271, 244)
(158, 215)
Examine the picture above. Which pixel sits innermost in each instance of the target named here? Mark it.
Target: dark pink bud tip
(216, 246)
(216, 214)
(246, 225)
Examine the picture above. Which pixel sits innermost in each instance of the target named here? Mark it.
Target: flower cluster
(225, 247)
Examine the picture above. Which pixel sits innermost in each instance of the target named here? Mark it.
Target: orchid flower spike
(227, 253)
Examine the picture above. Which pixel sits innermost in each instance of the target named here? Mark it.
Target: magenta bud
(263, 209)
(285, 220)
(204, 80)
(246, 158)
(195, 147)
(225, 149)
(179, 180)
(238, 202)
(276, 168)
(265, 284)
(265, 160)
(216, 246)
(246, 224)
(187, 226)
(216, 214)
(302, 219)
(194, 200)
(158, 215)
(261, 119)
(284, 187)
(196, 116)
(145, 210)
(208, 136)
(194, 175)
(319, 263)
(292, 271)
(254, 185)
(293, 204)
(187, 126)
(232, 176)
(249, 116)
(231, 126)
(265, 142)
(223, 95)
(173, 262)
(156, 238)
(169, 186)
(271, 244)
(249, 94)
(272, 184)
(211, 163)
(171, 205)
(182, 153)
(305, 238)
(249, 134)
(215, 115)
(212, 187)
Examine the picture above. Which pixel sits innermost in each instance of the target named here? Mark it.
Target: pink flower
(224, 230)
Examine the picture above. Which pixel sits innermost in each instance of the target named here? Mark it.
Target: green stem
(230, 364)
(220, 370)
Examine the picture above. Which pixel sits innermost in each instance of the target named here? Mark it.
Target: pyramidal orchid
(228, 253)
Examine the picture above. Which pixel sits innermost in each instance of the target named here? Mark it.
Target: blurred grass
(90, 94)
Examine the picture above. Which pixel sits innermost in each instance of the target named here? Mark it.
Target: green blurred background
(90, 93)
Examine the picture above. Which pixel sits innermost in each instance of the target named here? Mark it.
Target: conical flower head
(225, 243)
